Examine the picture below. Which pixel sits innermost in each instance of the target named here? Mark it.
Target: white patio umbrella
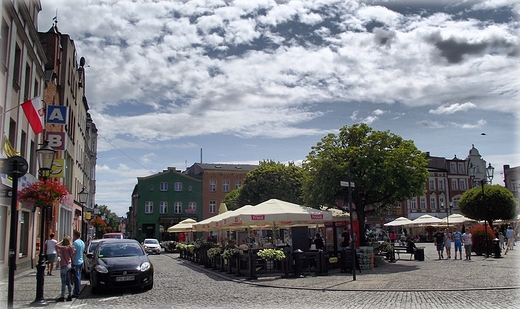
(456, 219)
(425, 220)
(183, 226)
(399, 222)
(278, 213)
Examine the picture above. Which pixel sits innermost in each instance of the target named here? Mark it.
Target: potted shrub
(478, 238)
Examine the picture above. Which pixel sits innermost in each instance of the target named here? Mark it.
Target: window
(212, 207)
(163, 207)
(151, 187)
(453, 167)
(212, 185)
(442, 202)
(225, 186)
(423, 202)
(514, 186)
(178, 186)
(413, 204)
(238, 184)
(432, 184)
(433, 202)
(440, 184)
(461, 168)
(462, 184)
(17, 67)
(148, 207)
(454, 184)
(192, 206)
(163, 186)
(177, 207)
(189, 188)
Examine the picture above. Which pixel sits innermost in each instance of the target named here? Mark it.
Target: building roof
(226, 167)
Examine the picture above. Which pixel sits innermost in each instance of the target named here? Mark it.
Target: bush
(479, 239)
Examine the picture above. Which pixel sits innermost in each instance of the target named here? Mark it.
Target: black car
(120, 263)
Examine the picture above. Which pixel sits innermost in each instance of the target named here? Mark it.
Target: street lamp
(45, 161)
(350, 184)
(83, 196)
(448, 212)
(489, 178)
(15, 167)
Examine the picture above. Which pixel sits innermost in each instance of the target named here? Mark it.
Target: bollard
(298, 263)
(496, 243)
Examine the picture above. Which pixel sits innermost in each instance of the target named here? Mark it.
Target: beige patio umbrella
(222, 208)
(425, 220)
(399, 222)
(456, 219)
(278, 213)
(183, 226)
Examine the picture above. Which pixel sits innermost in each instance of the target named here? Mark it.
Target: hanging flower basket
(43, 193)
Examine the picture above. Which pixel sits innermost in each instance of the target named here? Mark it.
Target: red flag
(34, 112)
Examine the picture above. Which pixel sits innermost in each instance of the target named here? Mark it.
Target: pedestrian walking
(50, 251)
(510, 235)
(457, 241)
(447, 243)
(466, 240)
(77, 261)
(438, 241)
(501, 240)
(67, 251)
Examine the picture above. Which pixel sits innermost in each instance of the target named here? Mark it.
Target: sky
(173, 83)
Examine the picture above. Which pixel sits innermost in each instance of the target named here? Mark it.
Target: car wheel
(149, 287)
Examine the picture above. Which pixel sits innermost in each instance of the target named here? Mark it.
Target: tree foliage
(496, 203)
(272, 180)
(105, 221)
(384, 168)
(231, 199)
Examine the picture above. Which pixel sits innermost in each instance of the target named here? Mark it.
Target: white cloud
(452, 108)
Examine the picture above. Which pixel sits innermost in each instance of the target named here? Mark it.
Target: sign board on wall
(56, 114)
(56, 140)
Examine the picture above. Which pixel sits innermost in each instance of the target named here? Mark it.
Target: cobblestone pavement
(433, 283)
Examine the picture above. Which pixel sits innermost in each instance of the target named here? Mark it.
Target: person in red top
(66, 251)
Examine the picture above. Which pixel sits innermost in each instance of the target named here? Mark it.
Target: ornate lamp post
(83, 196)
(15, 167)
(45, 160)
(489, 178)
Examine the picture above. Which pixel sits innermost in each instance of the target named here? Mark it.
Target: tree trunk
(360, 212)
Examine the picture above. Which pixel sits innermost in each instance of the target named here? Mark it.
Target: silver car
(151, 245)
(87, 263)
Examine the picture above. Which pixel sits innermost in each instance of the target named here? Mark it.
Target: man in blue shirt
(457, 239)
(77, 261)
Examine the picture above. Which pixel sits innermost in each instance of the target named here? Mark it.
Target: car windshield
(151, 241)
(120, 250)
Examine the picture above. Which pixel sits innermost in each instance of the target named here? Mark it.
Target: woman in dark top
(318, 241)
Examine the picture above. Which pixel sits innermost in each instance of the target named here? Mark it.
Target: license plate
(125, 278)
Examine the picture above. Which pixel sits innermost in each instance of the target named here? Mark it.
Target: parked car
(113, 235)
(87, 263)
(152, 245)
(120, 263)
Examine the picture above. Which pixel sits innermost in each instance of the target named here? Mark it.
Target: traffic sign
(347, 184)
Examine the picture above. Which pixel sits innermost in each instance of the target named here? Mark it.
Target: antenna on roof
(201, 156)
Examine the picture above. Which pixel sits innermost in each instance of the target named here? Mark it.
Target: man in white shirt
(50, 252)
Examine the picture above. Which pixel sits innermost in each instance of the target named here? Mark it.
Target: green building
(162, 200)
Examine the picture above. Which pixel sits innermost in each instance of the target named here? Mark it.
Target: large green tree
(495, 203)
(231, 199)
(272, 180)
(384, 168)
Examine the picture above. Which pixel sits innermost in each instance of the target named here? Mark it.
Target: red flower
(43, 193)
